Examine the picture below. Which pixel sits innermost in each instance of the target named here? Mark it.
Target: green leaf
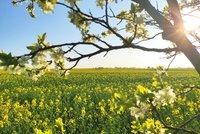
(148, 96)
(132, 8)
(39, 37)
(139, 9)
(32, 48)
(129, 102)
(44, 37)
(7, 60)
(104, 34)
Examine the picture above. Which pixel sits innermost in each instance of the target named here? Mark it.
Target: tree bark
(173, 32)
(181, 40)
(190, 51)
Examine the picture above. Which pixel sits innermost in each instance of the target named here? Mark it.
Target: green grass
(27, 105)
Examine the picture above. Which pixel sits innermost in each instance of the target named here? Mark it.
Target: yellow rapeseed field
(91, 101)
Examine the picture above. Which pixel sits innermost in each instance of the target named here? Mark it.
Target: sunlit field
(89, 101)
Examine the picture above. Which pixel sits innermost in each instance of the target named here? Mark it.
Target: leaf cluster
(7, 60)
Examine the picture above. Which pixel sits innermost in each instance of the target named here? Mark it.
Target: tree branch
(189, 120)
(32, 54)
(169, 31)
(176, 14)
(106, 11)
(160, 19)
(166, 50)
(100, 40)
(96, 20)
(176, 129)
(191, 4)
(148, 38)
(174, 56)
(190, 89)
(100, 50)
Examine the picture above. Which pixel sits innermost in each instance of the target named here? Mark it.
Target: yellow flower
(191, 109)
(134, 125)
(103, 111)
(168, 120)
(83, 112)
(17, 106)
(1, 99)
(71, 109)
(28, 113)
(49, 131)
(72, 121)
(19, 115)
(90, 116)
(1, 124)
(51, 103)
(57, 101)
(117, 95)
(149, 124)
(155, 84)
(153, 127)
(38, 131)
(121, 110)
(44, 124)
(34, 122)
(77, 99)
(5, 117)
(59, 123)
(57, 110)
(102, 132)
(34, 103)
(142, 89)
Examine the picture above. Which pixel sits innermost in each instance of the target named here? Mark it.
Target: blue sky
(19, 30)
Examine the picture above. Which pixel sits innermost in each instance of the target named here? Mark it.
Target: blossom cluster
(43, 60)
(163, 97)
(47, 6)
(146, 99)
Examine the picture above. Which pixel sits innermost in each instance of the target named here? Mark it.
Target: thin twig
(72, 66)
(99, 39)
(189, 120)
(106, 11)
(191, 88)
(170, 127)
(148, 38)
(112, 12)
(174, 56)
(96, 20)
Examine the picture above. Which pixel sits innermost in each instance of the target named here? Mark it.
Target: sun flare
(191, 24)
(191, 21)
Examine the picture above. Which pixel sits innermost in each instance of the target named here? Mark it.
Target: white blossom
(23, 60)
(57, 55)
(66, 73)
(140, 110)
(47, 6)
(39, 60)
(164, 96)
(18, 70)
(35, 77)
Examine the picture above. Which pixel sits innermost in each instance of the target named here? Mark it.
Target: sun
(191, 21)
(191, 24)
